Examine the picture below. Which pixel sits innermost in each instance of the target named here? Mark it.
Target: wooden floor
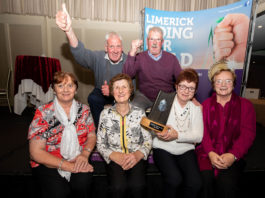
(15, 173)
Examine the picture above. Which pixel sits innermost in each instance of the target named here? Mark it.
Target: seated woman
(173, 150)
(61, 138)
(229, 131)
(122, 141)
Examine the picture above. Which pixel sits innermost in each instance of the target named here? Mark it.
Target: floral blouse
(122, 134)
(45, 126)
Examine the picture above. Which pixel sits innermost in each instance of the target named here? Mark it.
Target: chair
(4, 92)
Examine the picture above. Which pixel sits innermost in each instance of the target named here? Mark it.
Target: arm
(130, 66)
(64, 22)
(84, 57)
(81, 161)
(247, 130)
(206, 140)
(102, 137)
(196, 132)
(37, 145)
(38, 153)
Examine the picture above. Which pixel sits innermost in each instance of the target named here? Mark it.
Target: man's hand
(230, 38)
(105, 89)
(63, 19)
(136, 44)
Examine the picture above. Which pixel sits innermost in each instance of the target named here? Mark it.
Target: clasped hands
(80, 164)
(223, 161)
(126, 161)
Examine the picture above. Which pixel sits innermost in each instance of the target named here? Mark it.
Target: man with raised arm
(105, 64)
(156, 69)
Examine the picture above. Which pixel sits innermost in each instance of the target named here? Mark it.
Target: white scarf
(70, 147)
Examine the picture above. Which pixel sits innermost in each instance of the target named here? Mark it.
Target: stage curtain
(105, 10)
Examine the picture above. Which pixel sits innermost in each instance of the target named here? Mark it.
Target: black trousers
(226, 184)
(53, 185)
(129, 183)
(180, 173)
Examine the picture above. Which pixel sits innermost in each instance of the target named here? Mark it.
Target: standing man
(156, 69)
(105, 64)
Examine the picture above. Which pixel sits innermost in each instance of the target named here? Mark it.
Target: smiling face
(65, 91)
(185, 91)
(113, 48)
(155, 42)
(223, 84)
(121, 91)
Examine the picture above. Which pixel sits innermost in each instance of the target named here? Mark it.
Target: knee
(173, 182)
(119, 188)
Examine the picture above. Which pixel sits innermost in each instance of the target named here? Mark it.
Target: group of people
(200, 155)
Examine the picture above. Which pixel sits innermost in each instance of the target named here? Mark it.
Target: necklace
(182, 119)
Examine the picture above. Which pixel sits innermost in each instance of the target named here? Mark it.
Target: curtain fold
(105, 10)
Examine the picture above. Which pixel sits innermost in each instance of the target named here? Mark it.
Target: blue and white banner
(200, 38)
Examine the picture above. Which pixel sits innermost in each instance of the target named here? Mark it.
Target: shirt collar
(153, 57)
(107, 57)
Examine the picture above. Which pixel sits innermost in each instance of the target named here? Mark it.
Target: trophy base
(155, 126)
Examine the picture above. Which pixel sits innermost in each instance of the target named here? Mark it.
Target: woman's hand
(81, 164)
(228, 159)
(217, 161)
(132, 159)
(117, 157)
(168, 135)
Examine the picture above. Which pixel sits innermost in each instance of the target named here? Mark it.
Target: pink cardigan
(228, 129)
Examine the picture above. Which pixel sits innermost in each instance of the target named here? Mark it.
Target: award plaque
(158, 116)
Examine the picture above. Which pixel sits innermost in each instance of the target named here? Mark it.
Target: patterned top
(45, 126)
(122, 134)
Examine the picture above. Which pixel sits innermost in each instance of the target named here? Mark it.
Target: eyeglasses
(226, 81)
(68, 86)
(184, 87)
(153, 39)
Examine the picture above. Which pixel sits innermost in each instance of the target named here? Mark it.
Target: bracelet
(87, 149)
(61, 163)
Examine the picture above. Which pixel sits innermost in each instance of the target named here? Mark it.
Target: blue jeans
(96, 101)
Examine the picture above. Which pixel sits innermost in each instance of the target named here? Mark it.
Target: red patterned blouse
(45, 126)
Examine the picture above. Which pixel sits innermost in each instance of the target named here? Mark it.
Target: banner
(201, 38)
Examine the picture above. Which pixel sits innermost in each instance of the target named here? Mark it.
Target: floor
(16, 179)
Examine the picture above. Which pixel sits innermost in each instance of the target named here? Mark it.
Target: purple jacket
(153, 75)
(228, 129)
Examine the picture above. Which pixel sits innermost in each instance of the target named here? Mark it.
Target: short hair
(121, 76)
(219, 67)
(60, 76)
(111, 34)
(190, 75)
(156, 29)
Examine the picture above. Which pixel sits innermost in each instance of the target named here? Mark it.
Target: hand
(230, 38)
(63, 19)
(216, 160)
(105, 89)
(118, 158)
(228, 159)
(168, 135)
(136, 44)
(132, 159)
(81, 164)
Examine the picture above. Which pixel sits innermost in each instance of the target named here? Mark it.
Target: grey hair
(110, 34)
(156, 29)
